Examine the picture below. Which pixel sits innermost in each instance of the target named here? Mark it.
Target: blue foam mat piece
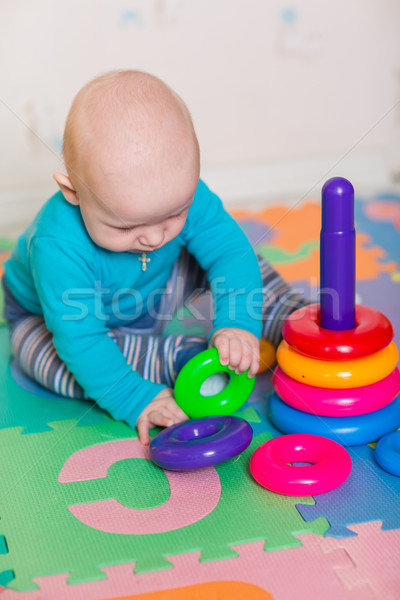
(369, 494)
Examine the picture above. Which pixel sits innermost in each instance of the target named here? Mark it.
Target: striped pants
(154, 356)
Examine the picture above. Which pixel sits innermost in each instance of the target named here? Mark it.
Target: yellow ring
(338, 374)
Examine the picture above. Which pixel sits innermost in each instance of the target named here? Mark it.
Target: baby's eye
(124, 228)
(178, 215)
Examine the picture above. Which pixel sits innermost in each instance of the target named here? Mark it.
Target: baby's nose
(152, 238)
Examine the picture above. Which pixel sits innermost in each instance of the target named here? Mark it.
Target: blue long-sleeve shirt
(57, 271)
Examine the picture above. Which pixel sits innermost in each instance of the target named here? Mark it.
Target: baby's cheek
(118, 241)
(114, 242)
(175, 230)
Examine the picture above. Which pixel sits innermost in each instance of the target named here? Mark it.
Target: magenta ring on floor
(331, 465)
(336, 402)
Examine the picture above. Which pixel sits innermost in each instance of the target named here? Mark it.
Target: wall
(283, 94)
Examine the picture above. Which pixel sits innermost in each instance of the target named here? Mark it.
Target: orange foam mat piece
(215, 590)
(369, 263)
(284, 220)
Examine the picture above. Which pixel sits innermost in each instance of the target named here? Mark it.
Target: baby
(131, 234)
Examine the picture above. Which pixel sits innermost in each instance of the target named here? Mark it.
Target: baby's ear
(67, 188)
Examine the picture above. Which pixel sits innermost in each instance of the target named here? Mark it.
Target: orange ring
(267, 356)
(340, 374)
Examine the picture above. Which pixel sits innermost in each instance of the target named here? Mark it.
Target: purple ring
(198, 443)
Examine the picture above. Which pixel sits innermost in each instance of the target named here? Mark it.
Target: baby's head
(132, 159)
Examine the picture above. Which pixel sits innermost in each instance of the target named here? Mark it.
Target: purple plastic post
(338, 256)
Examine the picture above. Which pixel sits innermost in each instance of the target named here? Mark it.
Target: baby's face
(124, 215)
(136, 165)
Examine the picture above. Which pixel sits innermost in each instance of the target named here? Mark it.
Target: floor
(85, 515)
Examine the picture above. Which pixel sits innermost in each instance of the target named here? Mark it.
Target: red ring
(373, 331)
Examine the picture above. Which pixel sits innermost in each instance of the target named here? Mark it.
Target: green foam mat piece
(45, 538)
(33, 412)
(191, 326)
(249, 414)
(5, 576)
(6, 244)
(278, 255)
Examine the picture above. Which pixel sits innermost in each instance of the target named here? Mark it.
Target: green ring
(193, 375)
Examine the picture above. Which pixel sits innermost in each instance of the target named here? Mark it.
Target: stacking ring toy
(332, 465)
(337, 373)
(302, 331)
(267, 356)
(336, 403)
(387, 453)
(193, 375)
(350, 431)
(198, 443)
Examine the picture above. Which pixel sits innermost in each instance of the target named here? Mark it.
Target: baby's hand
(237, 348)
(162, 410)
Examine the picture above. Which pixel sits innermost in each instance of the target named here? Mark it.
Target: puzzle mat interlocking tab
(294, 250)
(82, 476)
(85, 503)
(346, 566)
(369, 494)
(364, 567)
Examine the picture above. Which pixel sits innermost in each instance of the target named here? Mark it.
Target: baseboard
(300, 178)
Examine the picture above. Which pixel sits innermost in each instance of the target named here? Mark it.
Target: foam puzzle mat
(85, 515)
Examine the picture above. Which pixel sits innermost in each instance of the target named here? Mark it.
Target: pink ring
(331, 465)
(327, 402)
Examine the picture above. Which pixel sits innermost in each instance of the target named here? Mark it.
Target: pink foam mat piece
(376, 557)
(181, 509)
(305, 573)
